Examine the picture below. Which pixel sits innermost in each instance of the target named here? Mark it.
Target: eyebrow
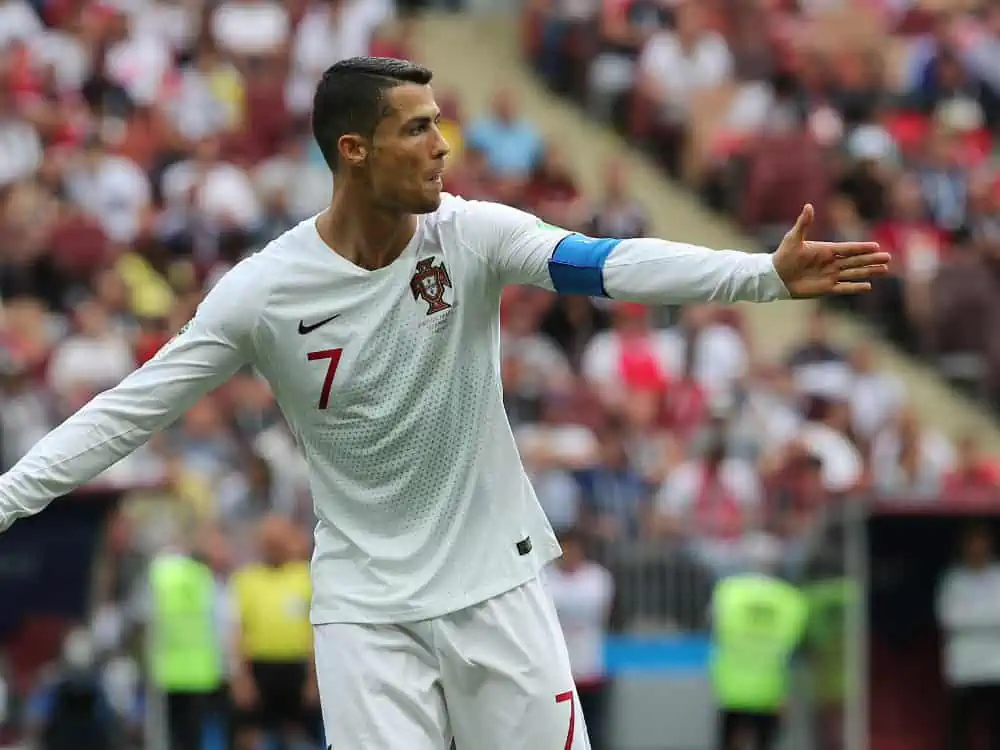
(423, 118)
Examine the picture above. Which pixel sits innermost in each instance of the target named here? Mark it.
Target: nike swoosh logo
(304, 329)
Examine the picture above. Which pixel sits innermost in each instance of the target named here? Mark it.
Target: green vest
(758, 623)
(830, 602)
(185, 649)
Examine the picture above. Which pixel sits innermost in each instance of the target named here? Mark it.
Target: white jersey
(390, 381)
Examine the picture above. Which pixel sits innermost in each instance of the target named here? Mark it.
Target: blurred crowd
(147, 145)
(884, 112)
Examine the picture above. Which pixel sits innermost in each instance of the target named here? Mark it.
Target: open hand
(812, 269)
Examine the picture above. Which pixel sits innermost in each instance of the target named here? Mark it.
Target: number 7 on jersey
(333, 355)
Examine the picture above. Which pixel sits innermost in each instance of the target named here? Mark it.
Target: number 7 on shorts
(564, 698)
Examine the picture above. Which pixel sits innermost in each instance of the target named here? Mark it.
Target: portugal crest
(429, 282)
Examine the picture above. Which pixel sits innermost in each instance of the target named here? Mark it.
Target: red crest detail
(429, 283)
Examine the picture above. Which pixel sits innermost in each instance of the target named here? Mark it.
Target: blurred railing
(657, 587)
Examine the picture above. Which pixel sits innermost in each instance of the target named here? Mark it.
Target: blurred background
(848, 454)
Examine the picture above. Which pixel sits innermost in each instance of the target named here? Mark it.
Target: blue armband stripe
(577, 265)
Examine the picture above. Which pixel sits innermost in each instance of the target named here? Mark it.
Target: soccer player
(376, 324)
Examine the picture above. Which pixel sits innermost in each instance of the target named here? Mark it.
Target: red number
(563, 698)
(334, 356)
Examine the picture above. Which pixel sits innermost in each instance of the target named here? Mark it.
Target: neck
(362, 232)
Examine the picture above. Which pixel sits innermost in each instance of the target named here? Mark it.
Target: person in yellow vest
(274, 687)
(758, 622)
(185, 645)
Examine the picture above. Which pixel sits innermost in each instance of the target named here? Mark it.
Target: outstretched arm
(524, 250)
(215, 344)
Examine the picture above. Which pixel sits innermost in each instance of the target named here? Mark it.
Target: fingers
(803, 223)
(846, 249)
(852, 287)
(860, 274)
(865, 259)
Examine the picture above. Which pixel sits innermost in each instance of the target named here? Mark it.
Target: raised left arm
(524, 250)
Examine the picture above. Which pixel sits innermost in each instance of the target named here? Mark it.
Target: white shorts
(494, 676)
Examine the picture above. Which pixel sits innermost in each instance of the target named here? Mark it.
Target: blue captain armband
(577, 265)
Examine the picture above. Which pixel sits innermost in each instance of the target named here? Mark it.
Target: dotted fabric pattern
(415, 475)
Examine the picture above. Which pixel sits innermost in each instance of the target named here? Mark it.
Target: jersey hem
(350, 615)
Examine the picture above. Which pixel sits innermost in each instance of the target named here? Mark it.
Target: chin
(427, 203)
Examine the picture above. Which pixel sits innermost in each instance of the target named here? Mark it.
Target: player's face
(408, 152)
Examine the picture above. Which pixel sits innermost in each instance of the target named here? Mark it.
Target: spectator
(90, 360)
(616, 498)
(112, 189)
(217, 191)
(983, 52)
(572, 322)
(910, 461)
(543, 366)
(177, 24)
(751, 681)
(551, 192)
(330, 30)
(209, 98)
(274, 688)
(26, 415)
(710, 503)
(291, 188)
(512, 144)
(624, 28)
(784, 165)
(713, 346)
(768, 415)
(188, 671)
(471, 176)
(675, 65)
(138, 60)
(943, 33)
(692, 57)
(398, 40)
(203, 443)
(121, 587)
(871, 151)
(71, 709)
(27, 328)
(18, 22)
(250, 28)
(974, 474)
(564, 21)
(827, 435)
(553, 450)
(20, 144)
(219, 551)
(757, 101)
(876, 395)
(968, 613)
(946, 79)
(984, 212)
(247, 495)
(944, 182)
(797, 500)
(583, 592)
(652, 449)
(819, 367)
(631, 350)
(918, 248)
(618, 215)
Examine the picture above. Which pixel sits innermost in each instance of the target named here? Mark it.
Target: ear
(353, 149)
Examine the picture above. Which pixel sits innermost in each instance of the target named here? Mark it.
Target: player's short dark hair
(350, 98)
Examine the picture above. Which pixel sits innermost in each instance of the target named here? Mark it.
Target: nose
(441, 146)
